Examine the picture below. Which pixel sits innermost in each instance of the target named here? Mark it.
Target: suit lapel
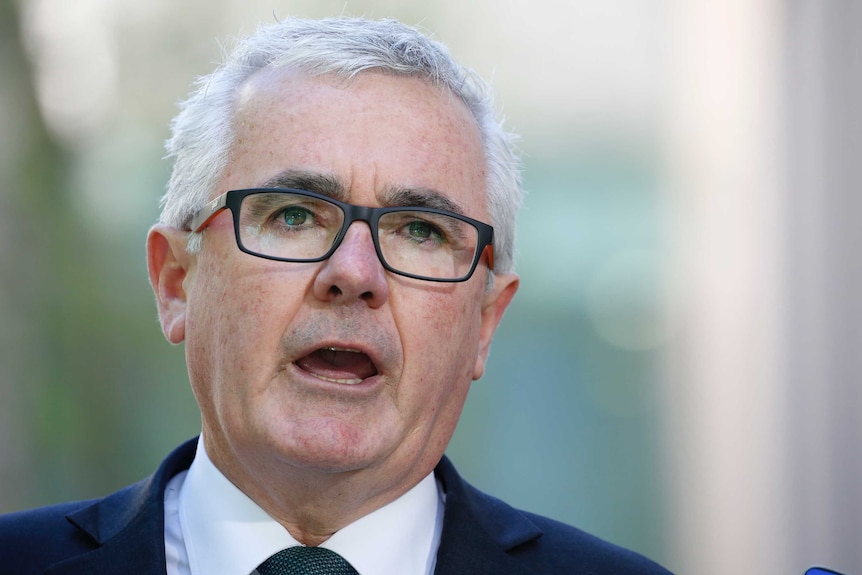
(127, 528)
(479, 530)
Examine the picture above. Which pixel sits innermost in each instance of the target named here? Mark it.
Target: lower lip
(367, 385)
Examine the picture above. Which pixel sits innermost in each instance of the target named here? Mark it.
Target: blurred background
(680, 370)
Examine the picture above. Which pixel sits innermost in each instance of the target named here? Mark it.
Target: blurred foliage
(96, 397)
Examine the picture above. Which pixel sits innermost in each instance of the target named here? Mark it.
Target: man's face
(336, 366)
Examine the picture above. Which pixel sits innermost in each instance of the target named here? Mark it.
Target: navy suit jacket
(124, 533)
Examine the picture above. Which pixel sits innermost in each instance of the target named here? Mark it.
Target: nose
(353, 272)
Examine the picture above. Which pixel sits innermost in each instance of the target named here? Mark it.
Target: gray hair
(202, 133)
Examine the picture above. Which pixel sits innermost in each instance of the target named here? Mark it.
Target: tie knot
(306, 561)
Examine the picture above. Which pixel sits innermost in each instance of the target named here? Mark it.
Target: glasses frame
(232, 200)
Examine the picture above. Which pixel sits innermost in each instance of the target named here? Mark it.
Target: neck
(312, 503)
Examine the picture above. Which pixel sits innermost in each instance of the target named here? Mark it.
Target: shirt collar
(226, 532)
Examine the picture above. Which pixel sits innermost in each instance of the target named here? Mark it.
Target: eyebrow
(320, 183)
(392, 196)
(421, 198)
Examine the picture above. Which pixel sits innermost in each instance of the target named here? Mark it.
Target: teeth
(332, 364)
(352, 381)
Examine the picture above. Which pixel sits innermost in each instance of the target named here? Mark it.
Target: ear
(169, 265)
(494, 304)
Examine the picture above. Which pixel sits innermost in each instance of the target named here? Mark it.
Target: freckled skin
(317, 455)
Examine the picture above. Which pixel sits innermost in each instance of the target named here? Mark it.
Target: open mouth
(338, 365)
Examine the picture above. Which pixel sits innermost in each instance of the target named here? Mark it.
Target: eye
(294, 216)
(422, 230)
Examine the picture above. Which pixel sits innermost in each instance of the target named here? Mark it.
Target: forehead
(373, 133)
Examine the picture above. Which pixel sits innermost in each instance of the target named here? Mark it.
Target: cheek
(229, 328)
(442, 368)
(440, 323)
(443, 335)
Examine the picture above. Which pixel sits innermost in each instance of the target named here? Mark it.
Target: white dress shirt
(213, 527)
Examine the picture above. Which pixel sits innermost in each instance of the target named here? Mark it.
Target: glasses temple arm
(206, 214)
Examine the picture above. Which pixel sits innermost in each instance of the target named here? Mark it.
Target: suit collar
(479, 531)
(128, 526)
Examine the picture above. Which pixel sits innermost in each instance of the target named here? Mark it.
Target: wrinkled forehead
(278, 85)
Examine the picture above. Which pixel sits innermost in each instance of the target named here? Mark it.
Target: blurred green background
(597, 406)
(563, 423)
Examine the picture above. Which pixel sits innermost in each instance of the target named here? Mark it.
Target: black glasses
(297, 226)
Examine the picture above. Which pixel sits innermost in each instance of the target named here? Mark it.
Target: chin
(329, 448)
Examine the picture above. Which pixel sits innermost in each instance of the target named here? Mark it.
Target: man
(326, 253)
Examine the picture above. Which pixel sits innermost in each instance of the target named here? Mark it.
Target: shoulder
(128, 521)
(482, 534)
(34, 539)
(572, 550)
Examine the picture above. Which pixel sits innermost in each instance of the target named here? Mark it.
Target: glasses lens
(289, 226)
(427, 244)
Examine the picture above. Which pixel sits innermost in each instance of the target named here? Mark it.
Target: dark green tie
(306, 561)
